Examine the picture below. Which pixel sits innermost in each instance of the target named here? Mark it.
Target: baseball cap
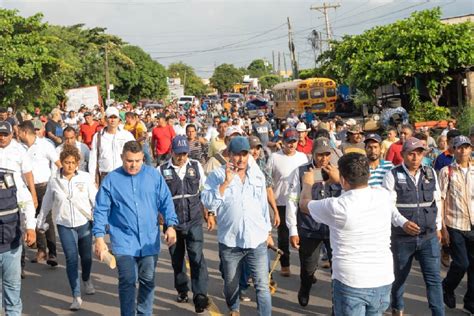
(461, 140)
(301, 127)
(112, 111)
(5, 128)
(351, 122)
(37, 124)
(239, 144)
(355, 129)
(234, 129)
(323, 125)
(373, 136)
(260, 113)
(321, 146)
(254, 141)
(180, 145)
(290, 134)
(87, 114)
(182, 118)
(411, 144)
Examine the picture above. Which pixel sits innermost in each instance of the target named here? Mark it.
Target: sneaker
(52, 261)
(89, 287)
(76, 304)
(244, 298)
(449, 298)
(182, 297)
(285, 271)
(40, 257)
(201, 302)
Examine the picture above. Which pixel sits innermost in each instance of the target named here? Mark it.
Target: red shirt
(306, 149)
(87, 133)
(162, 136)
(394, 153)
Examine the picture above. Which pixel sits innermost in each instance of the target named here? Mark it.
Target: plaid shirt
(457, 193)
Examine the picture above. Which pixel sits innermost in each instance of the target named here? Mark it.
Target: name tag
(402, 178)
(168, 174)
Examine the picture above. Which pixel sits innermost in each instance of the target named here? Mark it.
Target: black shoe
(303, 297)
(52, 261)
(201, 302)
(182, 297)
(449, 298)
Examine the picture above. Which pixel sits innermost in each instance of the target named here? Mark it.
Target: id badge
(9, 181)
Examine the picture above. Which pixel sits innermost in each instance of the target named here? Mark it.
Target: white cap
(301, 127)
(112, 111)
(351, 122)
(234, 129)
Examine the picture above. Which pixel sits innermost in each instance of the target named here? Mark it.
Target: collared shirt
(457, 194)
(83, 150)
(43, 156)
(394, 153)
(110, 151)
(389, 184)
(242, 212)
(14, 157)
(181, 171)
(377, 174)
(25, 201)
(64, 197)
(130, 206)
(306, 148)
(443, 160)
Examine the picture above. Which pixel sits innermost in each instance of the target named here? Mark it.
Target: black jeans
(283, 237)
(47, 239)
(462, 254)
(309, 258)
(192, 242)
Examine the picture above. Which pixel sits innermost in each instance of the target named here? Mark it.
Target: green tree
(268, 81)
(420, 46)
(193, 85)
(224, 77)
(258, 68)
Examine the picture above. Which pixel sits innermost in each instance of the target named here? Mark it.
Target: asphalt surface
(46, 291)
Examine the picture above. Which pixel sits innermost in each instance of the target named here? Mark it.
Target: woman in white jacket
(70, 195)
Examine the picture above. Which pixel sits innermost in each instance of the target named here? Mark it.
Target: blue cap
(372, 136)
(239, 144)
(180, 145)
(290, 134)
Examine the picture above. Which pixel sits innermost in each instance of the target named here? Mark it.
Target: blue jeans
(77, 241)
(147, 154)
(353, 301)
(428, 255)
(257, 261)
(131, 269)
(190, 241)
(10, 276)
(462, 253)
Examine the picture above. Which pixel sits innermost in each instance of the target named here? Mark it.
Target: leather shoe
(303, 297)
(52, 261)
(449, 298)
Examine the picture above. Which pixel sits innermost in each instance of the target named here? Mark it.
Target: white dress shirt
(15, 157)
(43, 156)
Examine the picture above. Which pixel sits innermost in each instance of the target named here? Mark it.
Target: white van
(186, 99)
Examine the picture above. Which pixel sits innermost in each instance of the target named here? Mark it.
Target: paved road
(46, 290)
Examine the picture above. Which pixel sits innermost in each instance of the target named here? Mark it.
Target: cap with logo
(239, 144)
(5, 128)
(254, 141)
(290, 134)
(301, 127)
(180, 145)
(351, 122)
(234, 129)
(412, 144)
(355, 129)
(374, 137)
(321, 146)
(111, 111)
(458, 141)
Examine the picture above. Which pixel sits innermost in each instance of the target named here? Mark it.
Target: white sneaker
(89, 287)
(76, 304)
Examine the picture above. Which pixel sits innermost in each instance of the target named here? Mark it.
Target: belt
(184, 196)
(8, 212)
(425, 204)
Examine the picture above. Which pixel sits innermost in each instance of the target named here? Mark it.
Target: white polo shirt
(14, 157)
(43, 156)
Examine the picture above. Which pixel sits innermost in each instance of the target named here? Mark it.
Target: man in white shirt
(45, 159)
(359, 222)
(283, 163)
(107, 145)
(70, 137)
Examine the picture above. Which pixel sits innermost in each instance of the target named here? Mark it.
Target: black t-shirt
(55, 128)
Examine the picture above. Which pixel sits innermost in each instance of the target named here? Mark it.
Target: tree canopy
(258, 68)
(193, 85)
(224, 77)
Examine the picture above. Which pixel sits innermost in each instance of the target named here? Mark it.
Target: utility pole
(284, 64)
(324, 10)
(107, 80)
(279, 64)
(291, 46)
(273, 61)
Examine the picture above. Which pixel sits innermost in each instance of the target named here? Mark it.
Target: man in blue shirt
(237, 194)
(129, 201)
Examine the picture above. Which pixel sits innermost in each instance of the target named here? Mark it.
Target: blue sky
(208, 33)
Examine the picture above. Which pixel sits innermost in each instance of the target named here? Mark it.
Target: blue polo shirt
(443, 160)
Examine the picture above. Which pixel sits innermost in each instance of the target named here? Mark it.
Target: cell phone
(318, 175)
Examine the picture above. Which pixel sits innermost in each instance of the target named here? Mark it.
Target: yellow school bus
(318, 93)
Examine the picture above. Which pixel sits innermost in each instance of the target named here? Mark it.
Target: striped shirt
(377, 174)
(457, 194)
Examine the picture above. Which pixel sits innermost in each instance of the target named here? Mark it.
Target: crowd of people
(345, 199)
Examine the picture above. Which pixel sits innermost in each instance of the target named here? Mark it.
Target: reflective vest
(307, 226)
(416, 203)
(185, 193)
(10, 231)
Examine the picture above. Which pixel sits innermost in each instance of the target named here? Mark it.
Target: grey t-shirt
(262, 131)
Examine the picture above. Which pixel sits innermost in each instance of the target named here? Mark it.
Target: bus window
(317, 93)
(330, 92)
(303, 94)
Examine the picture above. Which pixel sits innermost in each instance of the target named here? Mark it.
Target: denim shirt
(130, 205)
(242, 213)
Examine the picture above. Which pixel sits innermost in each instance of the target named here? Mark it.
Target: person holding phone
(307, 235)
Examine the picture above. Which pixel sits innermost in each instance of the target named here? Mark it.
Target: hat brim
(374, 139)
(181, 151)
(291, 139)
(322, 150)
(413, 149)
(463, 143)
